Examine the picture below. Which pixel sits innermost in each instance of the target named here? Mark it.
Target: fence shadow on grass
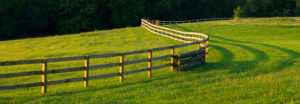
(240, 66)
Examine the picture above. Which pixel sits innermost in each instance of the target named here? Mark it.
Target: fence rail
(178, 62)
(186, 21)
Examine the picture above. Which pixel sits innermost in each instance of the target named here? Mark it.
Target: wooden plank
(86, 71)
(136, 61)
(207, 47)
(172, 58)
(65, 80)
(202, 45)
(44, 77)
(17, 86)
(175, 34)
(161, 57)
(147, 28)
(151, 26)
(187, 44)
(192, 53)
(103, 76)
(92, 67)
(178, 63)
(66, 59)
(104, 55)
(161, 48)
(18, 74)
(161, 66)
(146, 23)
(154, 26)
(21, 62)
(199, 46)
(166, 36)
(65, 70)
(135, 52)
(121, 66)
(191, 60)
(135, 71)
(149, 63)
(184, 68)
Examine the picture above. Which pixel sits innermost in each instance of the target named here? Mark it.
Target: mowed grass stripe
(254, 60)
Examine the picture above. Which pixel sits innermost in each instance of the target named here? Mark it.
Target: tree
(126, 12)
(237, 13)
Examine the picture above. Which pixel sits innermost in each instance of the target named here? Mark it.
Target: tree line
(34, 18)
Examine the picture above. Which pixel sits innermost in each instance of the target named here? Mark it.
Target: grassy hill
(254, 60)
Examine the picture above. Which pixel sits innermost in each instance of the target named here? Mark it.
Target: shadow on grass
(260, 56)
(226, 62)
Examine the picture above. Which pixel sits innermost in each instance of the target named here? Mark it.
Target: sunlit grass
(254, 60)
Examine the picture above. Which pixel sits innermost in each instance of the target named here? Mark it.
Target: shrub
(237, 13)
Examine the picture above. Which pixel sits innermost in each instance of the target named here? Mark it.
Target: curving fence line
(186, 37)
(187, 21)
(178, 62)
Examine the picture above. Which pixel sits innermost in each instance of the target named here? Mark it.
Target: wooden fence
(186, 21)
(178, 62)
(185, 60)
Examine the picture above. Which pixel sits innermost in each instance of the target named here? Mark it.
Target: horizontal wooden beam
(184, 68)
(103, 76)
(161, 66)
(161, 57)
(193, 53)
(191, 60)
(149, 25)
(188, 44)
(161, 48)
(66, 59)
(92, 67)
(21, 62)
(65, 81)
(149, 29)
(104, 55)
(136, 61)
(135, 71)
(21, 86)
(135, 52)
(19, 74)
(65, 70)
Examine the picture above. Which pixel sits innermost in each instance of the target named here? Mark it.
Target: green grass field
(255, 60)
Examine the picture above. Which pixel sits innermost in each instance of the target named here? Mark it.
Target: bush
(237, 13)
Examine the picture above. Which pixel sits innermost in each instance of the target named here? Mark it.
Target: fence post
(207, 46)
(121, 66)
(193, 38)
(157, 22)
(172, 58)
(86, 71)
(149, 62)
(44, 77)
(178, 63)
(199, 45)
(142, 23)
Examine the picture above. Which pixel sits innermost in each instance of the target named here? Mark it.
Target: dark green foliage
(268, 8)
(126, 12)
(33, 18)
